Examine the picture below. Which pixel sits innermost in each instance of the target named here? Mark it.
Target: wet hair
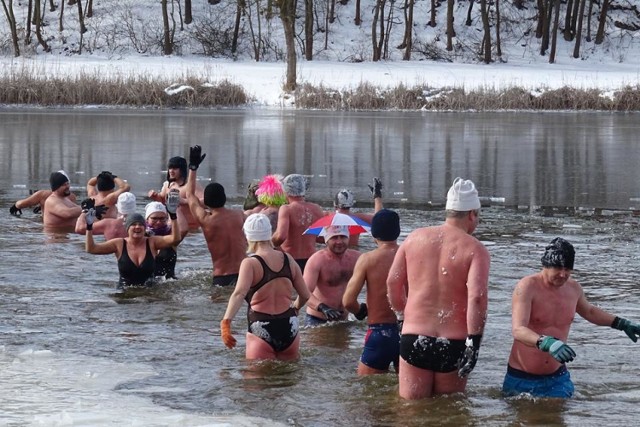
(57, 180)
(105, 181)
(214, 196)
(385, 225)
(179, 163)
(559, 254)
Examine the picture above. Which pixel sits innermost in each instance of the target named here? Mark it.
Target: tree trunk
(188, 14)
(61, 19)
(308, 30)
(588, 38)
(90, 9)
(568, 36)
(236, 26)
(332, 11)
(432, 19)
(498, 21)
(83, 29)
(408, 31)
(602, 21)
(574, 16)
(450, 30)
(374, 31)
(468, 21)
(554, 34)
(357, 20)
(37, 15)
(288, 17)
(52, 6)
(576, 48)
(544, 45)
(11, 18)
(167, 48)
(542, 14)
(27, 30)
(486, 40)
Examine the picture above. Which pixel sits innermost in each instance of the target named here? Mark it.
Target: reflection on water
(64, 336)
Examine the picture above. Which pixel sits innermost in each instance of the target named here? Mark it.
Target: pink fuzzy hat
(271, 192)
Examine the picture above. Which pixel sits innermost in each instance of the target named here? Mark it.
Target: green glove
(631, 329)
(556, 348)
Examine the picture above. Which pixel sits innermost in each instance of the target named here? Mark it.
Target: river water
(71, 354)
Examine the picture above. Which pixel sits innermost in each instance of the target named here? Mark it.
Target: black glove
(329, 313)
(195, 157)
(87, 204)
(376, 188)
(631, 329)
(101, 210)
(15, 211)
(470, 356)
(362, 313)
(37, 209)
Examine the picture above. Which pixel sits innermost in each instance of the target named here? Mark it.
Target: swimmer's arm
(108, 247)
(298, 284)
(194, 204)
(36, 198)
(121, 187)
(397, 281)
(521, 314)
(62, 211)
(591, 313)
(311, 275)
(245, 277)
(91, 187)
(282, 230)
(477, 292)
(350, 296)
(161, 242)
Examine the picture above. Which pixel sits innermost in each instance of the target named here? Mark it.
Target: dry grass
(27, 87)
(135, 91)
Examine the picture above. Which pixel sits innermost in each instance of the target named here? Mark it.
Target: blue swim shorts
(381, 346)
(557, 384)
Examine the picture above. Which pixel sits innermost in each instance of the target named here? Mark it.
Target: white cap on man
(462, 196)
(334, 230)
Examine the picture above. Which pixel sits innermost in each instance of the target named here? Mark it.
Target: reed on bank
(143, 91)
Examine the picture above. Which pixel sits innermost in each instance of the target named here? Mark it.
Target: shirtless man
(36, 200)
(293, 219)
(177, 178)
(102, 189)
(327, 274)
(543, 307)
(382, 342)
(439, 282)
(60, 211)
(222, 227)
(344, 201)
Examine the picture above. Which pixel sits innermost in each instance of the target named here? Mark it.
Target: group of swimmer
(426, 298)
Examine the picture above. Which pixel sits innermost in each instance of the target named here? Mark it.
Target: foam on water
(40, 387)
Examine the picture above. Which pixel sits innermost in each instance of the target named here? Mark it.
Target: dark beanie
(385, 225)
(57, 180)
(559, 254)
(214, 196)
(105, 181)
(134, 218)
(180, 163)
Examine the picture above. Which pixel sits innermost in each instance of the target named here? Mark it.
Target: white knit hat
(126, 203)
(462, 196)
(152, 208)
(257, 228)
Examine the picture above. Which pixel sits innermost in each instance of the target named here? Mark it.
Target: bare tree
(568, 36)
(450, 31)
(544, 44)
(377, 39)
(188, 14)
(358, 19)
(468, 21)
(52, 6)
(236, 26)
(588, 38)
(554, 33)
(288, 17)
(83, 29)
(167, 45)
(602, 20)
(27, 30)
(407, 43)
(432, 19)
(498, 22)
(90, 9)
(61, 18)
(38, 17)
(542, 14)
(11, 18)
(486, 39)
(576, 48)
(308, 30)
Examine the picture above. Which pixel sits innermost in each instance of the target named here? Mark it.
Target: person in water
(110, 228)
(267, 280)
(135, 253)
(543, 308)
(439, 280)
(60, 211)
(157, 224)
(104, 189)
(270, 195)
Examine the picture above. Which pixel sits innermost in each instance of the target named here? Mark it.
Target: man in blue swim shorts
(543, 307)
(382, 342)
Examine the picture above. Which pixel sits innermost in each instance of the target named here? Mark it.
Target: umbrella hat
(355, 224)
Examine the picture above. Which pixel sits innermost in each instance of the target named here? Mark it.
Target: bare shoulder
(527, 284)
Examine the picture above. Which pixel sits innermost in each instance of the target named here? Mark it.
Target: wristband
(173, 216)
(89, 227)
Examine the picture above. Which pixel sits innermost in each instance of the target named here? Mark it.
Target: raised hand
(173, 200)
(90, 217)
(556, 348)
(225, 331)
(376, 188)
(631, 329)
(15, 211)
(329, 313)
(87, 204)
(470, 356)
(195, 157)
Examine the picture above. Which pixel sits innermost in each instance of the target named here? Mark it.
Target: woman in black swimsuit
(266, 281)
(136, 252)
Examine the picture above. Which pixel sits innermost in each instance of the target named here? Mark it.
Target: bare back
(275, 296)
(376, 265)
(297, 217)
(222, 230)
(443, 264)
